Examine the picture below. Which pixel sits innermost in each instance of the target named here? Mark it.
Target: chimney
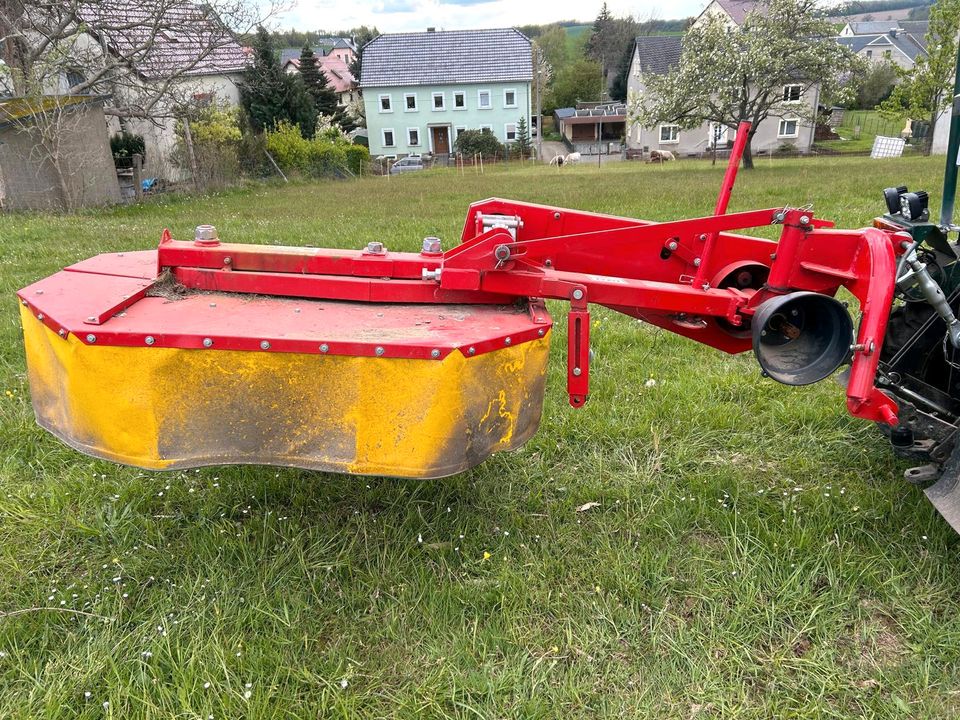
(893, 32)
(431, 29)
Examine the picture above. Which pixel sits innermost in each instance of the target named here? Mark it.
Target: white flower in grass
(106, 704)
(87, 695)
(206, 686)
(344, 683)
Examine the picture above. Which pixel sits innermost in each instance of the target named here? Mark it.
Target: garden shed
(55, 154)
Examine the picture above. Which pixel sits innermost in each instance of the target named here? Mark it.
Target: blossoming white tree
(729, 73)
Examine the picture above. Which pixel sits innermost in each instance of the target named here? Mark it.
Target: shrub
(358, 158)
(471, 142)
(326, 158)
(125, 145)
(252, 156)
(218, 124)
(329, 153)
(288, 147)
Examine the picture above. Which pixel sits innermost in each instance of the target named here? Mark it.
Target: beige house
(657, 55)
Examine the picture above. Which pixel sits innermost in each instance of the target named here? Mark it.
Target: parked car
(407, 164)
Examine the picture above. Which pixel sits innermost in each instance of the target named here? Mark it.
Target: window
(410, 102)
(459, 101)
(458, 130)
(719, 135)
(792, 93)
(74, 78)
(789, 128)
(510, 98)
(386, 103)
(413, 136)
(438, 101)
(669, 134)
(486, 128)
(869, 54)
(483, 99)
(388, 138)
(510, 132)
(888, 54)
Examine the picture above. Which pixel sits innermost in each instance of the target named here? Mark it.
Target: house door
(441, 140)
(719, 135)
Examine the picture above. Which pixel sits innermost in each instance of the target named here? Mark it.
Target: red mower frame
(699, 278)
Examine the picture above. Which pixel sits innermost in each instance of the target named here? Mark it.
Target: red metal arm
(699, 278)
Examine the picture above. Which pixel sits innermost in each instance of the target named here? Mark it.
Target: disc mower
(424, 364)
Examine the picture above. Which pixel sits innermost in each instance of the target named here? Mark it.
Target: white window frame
(788, 91)
(888, 54)
(457, 130)
(781, 127)
(389, 99)
(419, 139)
(463, 95)
(443, 102)
(506, 132)
(480, 105)
(416, 106)
(485, 127)
(676, 138)
(383, 137)
(505, 103)
(721, 141)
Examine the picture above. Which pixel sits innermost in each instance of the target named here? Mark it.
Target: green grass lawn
(755, 553)
(858, 130)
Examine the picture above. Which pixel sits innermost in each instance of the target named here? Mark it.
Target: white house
(657, 55)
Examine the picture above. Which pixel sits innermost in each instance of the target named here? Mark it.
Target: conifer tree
(269, 95)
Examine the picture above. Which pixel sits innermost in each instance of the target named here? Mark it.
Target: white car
(408, 164)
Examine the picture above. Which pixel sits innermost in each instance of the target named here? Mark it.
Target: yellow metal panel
(163, 408)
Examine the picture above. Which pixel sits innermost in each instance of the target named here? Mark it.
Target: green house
(421, 89)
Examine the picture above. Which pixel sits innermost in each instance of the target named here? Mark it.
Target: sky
(418, 15)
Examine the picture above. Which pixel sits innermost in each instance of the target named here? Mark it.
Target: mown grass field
(755, 553)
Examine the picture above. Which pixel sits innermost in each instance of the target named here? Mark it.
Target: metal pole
(953, 150)
(539, 110)
(723, 199)
(730, 176)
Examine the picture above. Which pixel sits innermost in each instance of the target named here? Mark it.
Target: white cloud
(414, 15)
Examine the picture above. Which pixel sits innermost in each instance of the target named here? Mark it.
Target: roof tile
(447, 57)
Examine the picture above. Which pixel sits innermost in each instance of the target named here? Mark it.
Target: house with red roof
(337, 72)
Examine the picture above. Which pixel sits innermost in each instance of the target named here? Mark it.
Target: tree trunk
(748, 152)
(928, 140)
(63, 189)
(13, 48)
